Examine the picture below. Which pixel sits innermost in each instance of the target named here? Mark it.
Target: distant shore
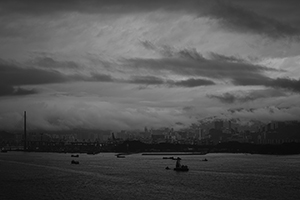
(172, 153)
(128, 147)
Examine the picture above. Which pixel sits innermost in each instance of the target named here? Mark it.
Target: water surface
(103, 176)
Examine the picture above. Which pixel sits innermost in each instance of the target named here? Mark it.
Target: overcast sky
(119, 64)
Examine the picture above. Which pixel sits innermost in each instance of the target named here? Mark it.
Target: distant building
(219, 125)
(157, 138)
(182, 135)
(146, 129)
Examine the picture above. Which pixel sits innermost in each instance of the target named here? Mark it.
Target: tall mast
(25, 138)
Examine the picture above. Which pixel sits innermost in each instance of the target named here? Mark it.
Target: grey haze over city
(129, 64)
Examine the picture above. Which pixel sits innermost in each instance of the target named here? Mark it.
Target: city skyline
(113, 65)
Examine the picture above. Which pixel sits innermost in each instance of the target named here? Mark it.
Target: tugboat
(180, 167)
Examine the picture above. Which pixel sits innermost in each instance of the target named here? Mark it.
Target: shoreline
(172, 153)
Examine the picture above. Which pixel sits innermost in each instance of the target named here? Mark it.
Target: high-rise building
(201, 134)
(113, 136)
(219, 125)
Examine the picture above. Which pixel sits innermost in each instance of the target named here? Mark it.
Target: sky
(116, 64)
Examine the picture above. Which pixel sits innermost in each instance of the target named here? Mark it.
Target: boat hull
(182, 169)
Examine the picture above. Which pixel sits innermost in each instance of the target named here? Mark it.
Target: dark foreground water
(225, 176)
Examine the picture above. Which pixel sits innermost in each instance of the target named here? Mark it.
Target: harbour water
(104, 176)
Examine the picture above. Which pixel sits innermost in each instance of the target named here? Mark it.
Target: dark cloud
(219, 57)
(191, 54)
(12, 74)
(50, 63)
(147, 80)
(148, 45)
(237, 110)
(40, 7)
(92, 77)
(258, 79)
(268, 109)
(101, 77)
(224, 98)
(257, 17)
(153, 80)
(12, 77)
(7, 90)
(237, 18)
(179, 123)
(188, 108)
(171, 52)
(189, 62)
(191, 83)
(240, 97)
(23, 91)
(286, 83)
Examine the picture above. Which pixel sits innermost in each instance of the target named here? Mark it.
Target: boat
(204, 159)
(183, 168)
(120, 155)
(75, 155)
(168, 158)
(74, 162)
(176, 158)
(180, 167)
(93, 152)
(167, 168)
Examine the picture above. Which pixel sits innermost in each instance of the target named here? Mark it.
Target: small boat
(205, 159)
(182, 168)
(168, 158)
(74, 162)
(75, 155)
(167, 168)
(120, 156)
(176, 158)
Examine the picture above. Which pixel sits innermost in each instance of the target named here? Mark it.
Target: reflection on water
(103, 176)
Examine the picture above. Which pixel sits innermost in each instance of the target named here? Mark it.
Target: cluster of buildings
(214, 132)
(220, 131)
(271, 133)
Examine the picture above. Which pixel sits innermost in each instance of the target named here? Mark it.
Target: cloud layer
(231, 15)
(116, 64)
